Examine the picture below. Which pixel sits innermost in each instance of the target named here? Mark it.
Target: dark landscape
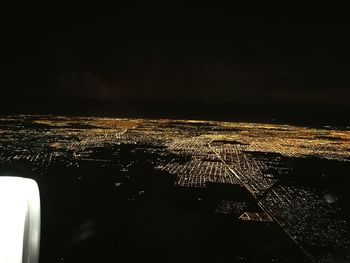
(170, 132)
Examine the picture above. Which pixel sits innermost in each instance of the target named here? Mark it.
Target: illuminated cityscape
(251, 174)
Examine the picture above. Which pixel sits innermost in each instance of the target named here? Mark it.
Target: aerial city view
(142, 189)
(174, 133)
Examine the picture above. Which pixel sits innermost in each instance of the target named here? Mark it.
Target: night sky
(289, 65)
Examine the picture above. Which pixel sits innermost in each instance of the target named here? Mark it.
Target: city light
(276, 165)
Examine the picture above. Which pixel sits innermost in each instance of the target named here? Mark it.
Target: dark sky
(176, 61)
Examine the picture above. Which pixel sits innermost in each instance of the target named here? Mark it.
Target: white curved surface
(19, 220)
